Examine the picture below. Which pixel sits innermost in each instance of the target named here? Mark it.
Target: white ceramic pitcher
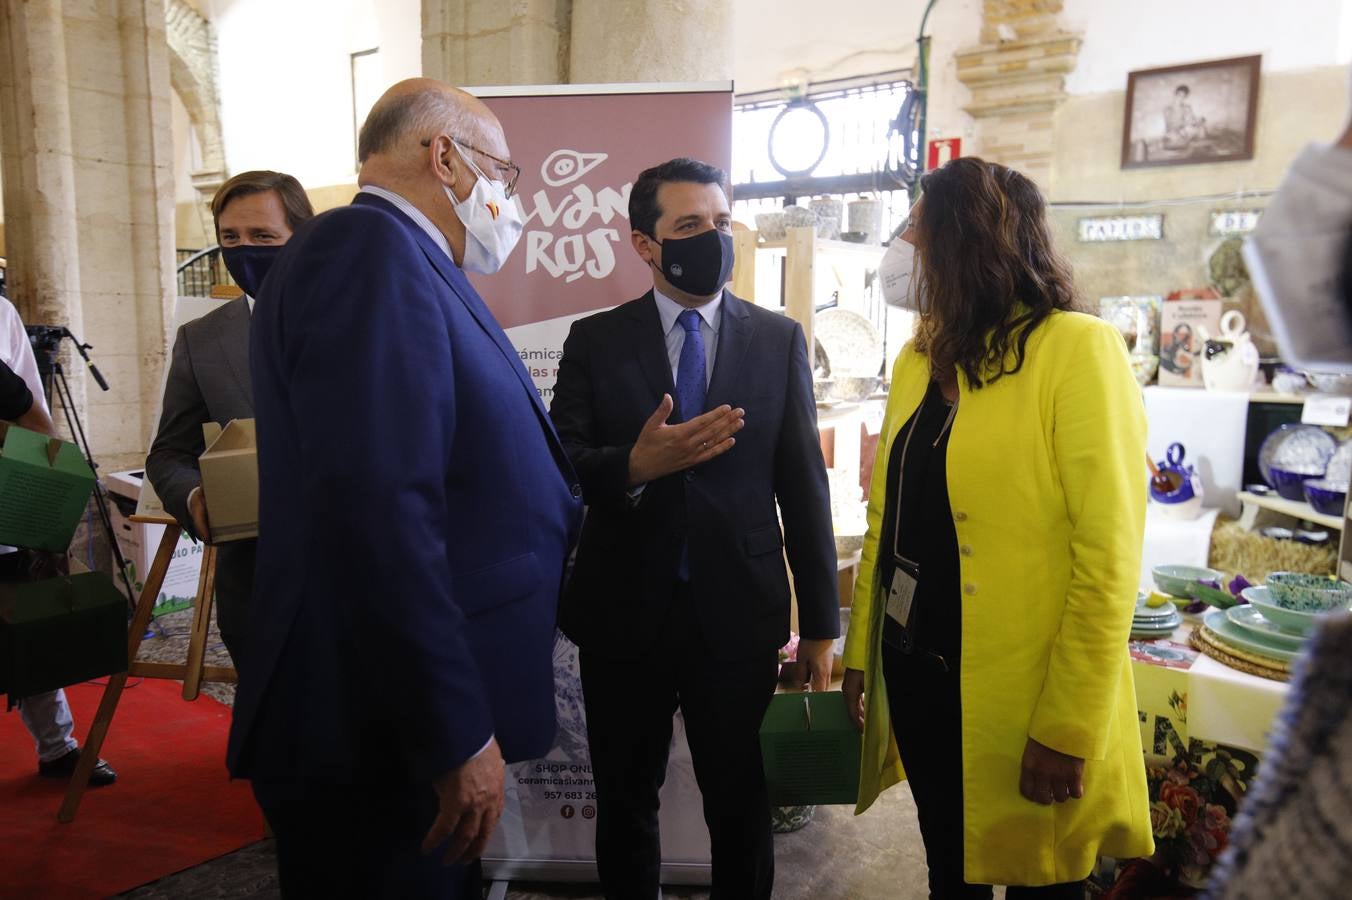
(1230, 360)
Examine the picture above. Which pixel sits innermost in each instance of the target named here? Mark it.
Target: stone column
(491, 42)
(192, 73)
(37, 160)
(1017, 79)
(651, 41)
(90, 213)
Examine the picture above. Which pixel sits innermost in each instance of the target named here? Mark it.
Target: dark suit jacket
(415, 513)
(612, 376)
(208, 382)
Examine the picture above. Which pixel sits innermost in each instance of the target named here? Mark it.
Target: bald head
(415, 110)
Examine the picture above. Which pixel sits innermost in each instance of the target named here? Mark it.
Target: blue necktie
(689, 393)
(690, 370)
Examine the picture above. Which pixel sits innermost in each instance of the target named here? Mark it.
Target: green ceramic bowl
(1179, 580)
(1309, 593)
(1288, 620)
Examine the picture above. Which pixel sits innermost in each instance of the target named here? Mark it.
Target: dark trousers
(360, 842)
(925, 703)
(629, 706)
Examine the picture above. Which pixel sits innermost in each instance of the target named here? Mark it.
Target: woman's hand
(1048, 776)
(853, 689)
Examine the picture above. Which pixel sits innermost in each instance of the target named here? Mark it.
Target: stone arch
(192, 73)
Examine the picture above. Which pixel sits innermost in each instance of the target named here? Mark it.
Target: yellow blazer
(1048, 499)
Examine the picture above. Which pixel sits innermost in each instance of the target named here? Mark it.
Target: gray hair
(418, 116)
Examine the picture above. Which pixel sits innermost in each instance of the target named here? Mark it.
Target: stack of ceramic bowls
(1152, 622)
(1280, 615)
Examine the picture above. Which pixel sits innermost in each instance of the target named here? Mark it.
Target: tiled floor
(837, 857)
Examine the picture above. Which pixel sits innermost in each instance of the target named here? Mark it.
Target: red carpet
(173, 805)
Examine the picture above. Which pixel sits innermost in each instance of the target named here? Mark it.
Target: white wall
(285, 78)
(1123, 35)
(777, 41)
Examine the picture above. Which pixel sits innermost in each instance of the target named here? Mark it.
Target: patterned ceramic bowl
(1308, 593)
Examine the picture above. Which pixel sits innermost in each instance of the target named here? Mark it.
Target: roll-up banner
(580, 149)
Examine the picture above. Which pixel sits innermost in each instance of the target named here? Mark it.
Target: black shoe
(64, 767)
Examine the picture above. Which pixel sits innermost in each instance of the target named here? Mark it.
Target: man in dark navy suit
(415, 512)
(690, 418)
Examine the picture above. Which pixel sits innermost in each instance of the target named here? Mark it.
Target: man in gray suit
(255, 214)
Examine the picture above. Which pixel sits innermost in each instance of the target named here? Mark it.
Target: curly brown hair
(987, 273)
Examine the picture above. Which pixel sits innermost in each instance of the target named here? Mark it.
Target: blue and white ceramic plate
(1303, 449)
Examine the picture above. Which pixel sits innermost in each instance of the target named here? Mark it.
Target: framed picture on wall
(1198, 113)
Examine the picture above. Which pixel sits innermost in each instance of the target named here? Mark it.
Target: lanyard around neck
(901, 473)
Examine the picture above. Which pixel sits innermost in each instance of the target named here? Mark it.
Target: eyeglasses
(505, 166)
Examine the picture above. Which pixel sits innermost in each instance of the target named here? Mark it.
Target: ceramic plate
(1250, 619)
(851, 342)
(1144, 612)
(1340, 464)
(1303, 449)
(1232, 634)
(1157, 617)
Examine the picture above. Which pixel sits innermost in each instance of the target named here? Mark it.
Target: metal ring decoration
(826, 138)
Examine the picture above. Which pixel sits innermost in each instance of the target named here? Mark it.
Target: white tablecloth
(1232, 707)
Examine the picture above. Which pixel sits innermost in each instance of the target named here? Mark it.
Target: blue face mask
(248, 264)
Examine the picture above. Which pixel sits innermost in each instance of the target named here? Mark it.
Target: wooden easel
(192, 671)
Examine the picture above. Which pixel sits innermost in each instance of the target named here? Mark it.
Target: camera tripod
(46, 341)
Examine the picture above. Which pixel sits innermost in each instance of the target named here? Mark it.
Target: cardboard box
(44, 486)
(1181, 344)
(140, 541)
(811, 750)
(230, 480)
(59, 632)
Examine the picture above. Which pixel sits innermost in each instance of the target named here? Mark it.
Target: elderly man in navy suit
(415, 512)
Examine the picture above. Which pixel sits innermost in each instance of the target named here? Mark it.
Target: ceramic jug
(1184, 499)
(1230, 360)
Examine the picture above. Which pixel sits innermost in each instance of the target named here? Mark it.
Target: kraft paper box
(60, 631)
(44, 487)
(811, 750)
(230, 480)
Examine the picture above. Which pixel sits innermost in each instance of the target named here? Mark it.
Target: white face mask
(492, 222)
(1296, 258)
(897, 273)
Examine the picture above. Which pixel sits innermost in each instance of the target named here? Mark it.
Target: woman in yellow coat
(987, 648)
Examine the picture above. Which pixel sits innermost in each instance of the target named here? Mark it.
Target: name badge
(900, 597)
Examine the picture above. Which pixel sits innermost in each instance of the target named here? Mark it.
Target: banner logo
(566, 166)
(557, 235)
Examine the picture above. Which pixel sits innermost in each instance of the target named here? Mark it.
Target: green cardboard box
(59, 632)
(44, 487)
(811, 750)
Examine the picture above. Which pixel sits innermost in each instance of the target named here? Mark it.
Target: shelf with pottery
(1253, 504)
(801, 249)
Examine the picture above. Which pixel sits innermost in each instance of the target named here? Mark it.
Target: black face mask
(248, 264)
(698, 265)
